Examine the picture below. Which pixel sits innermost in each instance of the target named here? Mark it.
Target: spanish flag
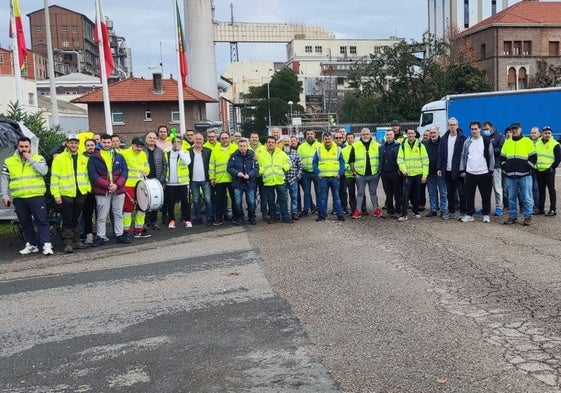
(20, 37)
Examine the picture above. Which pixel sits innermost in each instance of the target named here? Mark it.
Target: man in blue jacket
(243, 168)
(448, 166)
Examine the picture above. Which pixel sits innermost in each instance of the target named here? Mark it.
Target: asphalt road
(369, 305)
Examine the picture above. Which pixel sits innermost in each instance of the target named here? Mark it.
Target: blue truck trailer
(531, 108)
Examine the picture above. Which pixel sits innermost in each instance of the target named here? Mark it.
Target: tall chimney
(157, 83)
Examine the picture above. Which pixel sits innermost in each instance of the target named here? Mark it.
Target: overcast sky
(148, 23)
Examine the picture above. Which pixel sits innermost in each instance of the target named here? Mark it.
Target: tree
(397, 83)
(272, 98)
(546, 75)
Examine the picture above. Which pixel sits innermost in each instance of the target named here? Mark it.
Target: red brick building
(35, 65)
(507, 45)
(140, 105)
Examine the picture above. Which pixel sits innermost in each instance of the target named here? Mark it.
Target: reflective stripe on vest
(25, 182)
(410, 159)
(346, 152)
(545, 154)
(63, 178)
(307, 152)
(218, 165)
(360, 157)
(328, 160)
(182, 169)
(272, 167)
(137, 164)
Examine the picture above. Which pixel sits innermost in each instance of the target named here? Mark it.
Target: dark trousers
(456, 194)
(547, 179)
(411, 190)
(221, 198)
(277, 195)
(71, 209)
(88, 212)
(171, 194)
(350, 183)
(485, 184)
(29, 209)
(391, 181)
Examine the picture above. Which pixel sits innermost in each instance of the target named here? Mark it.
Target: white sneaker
(402, 218)
(417, 216)
(47, 249)
(171, 224)
(29, 248)
(467, 218)
(486, 219)
(89, 238)
(188, 224)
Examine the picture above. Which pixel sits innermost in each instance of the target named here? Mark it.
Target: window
(377, 50)
(175, 114)
(1, 58)
(343, 50)
(483, 50)
(318, 49)
(64, 28)
(526, 48)
(75, 29)
(147, 115)
(517, 48)
(507, 48)
(117, 116)
(76, 44)
(554, 48)
(511, 78)
(522, 78)
(340, 81)
(352, 50)
(308, 49)
(65, 44)
(31, 98)
(39, 29)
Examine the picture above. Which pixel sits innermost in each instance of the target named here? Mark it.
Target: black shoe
(252, 222)
(295, 217)
(79, 245)
(227, 218)
(313, 209)
(430, 214)
(527, 221)
(123, 239)
(538, 212)
(266, 217)
(98, 241)
(198, 221)
(303, 214)
(238, 223)
(511, 221)
(550, 213)
(288, 221)
(271, 221)
(320, 219)
(341, 218)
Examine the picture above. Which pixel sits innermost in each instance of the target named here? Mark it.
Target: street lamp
(269, 101)
(290, 103)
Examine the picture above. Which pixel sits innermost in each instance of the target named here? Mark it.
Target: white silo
(201, 57)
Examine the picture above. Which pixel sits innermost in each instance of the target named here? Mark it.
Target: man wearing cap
(518, 159)
(396, 128)
(549, 157)
(22, 174)
(69, 186)
(137, 163)
(108, 173)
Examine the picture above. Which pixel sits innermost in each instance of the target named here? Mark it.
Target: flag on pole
(20, 37)
(181, 48)
(104, 42)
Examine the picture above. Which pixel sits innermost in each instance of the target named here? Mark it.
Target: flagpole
(15, 56)
(180, 98)
(51, 67)
(104, 85)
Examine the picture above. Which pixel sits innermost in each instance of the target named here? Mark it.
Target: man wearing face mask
(497, 140)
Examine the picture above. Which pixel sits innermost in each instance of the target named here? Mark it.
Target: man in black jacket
(435, 182)
(158, 170)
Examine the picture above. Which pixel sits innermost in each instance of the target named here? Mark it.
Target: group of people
(292, 179)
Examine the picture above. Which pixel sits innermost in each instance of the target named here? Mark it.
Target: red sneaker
(378, 212)
(356, 214)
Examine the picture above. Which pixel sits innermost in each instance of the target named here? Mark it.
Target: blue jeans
(278, 191)
(196, 192)
(437, 189)
(293, 191)
(249, 200)
(326, 184)
(307, 179)
(522, 186)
